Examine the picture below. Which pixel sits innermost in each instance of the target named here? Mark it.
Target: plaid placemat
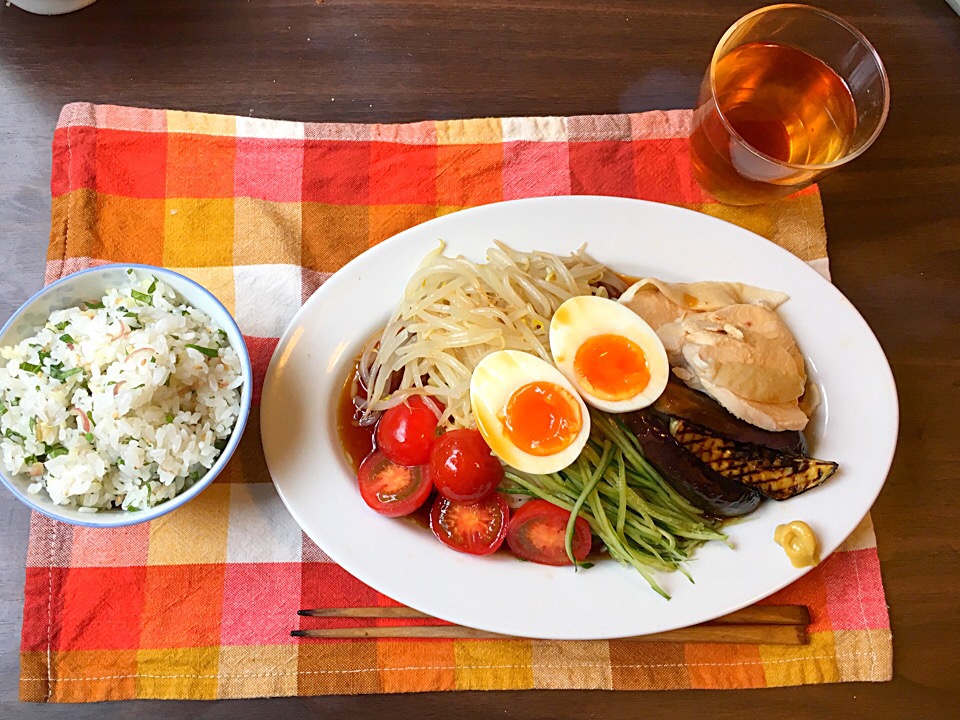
(199, 603)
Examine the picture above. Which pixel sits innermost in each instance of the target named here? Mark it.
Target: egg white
(583, 317)
(493, 382)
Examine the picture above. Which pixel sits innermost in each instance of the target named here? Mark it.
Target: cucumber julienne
(639, 517)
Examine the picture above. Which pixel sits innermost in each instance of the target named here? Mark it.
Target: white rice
(110, 407)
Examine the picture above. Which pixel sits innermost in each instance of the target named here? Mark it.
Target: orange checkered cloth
(199, 603)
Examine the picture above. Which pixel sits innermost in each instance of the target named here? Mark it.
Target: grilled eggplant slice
(774, 474)
(704, 488)
(680, 401)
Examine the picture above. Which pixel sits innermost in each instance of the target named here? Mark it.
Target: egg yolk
(542, 418)
(611, 367)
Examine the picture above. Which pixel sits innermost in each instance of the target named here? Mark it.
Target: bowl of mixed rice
(124, 390)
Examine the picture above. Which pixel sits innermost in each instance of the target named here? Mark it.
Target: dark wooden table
(893, 220)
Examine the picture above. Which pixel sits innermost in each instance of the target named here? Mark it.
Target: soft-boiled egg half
(613, 358)
(528, 412)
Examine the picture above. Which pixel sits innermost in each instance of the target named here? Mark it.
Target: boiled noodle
(454, 312)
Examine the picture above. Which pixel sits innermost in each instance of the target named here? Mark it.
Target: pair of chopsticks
(756, 625)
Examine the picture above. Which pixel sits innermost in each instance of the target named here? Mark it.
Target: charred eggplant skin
(774, 474)
(704, 488)
(680, 401)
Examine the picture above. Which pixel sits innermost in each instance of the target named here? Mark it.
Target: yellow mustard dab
(799, 542)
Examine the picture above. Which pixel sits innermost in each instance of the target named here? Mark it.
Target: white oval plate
(856, 426)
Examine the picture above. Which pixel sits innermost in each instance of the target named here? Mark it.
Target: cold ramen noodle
(617, 418)
(121, 403)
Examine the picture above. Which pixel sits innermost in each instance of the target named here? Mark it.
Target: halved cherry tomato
(477, 529)
(463, 468)
(407, 432)
(390, 489)
(537, 533)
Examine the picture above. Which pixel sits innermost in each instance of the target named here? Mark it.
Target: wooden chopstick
(726, 634)
(753, 615)
(759, 624)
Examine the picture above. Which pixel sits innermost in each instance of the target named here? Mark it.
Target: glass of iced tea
(792, 92)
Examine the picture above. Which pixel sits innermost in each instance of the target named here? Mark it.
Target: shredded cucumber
(639, 517)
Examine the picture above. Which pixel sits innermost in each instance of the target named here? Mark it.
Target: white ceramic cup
(51, 7)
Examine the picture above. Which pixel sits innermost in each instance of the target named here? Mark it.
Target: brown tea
(790, 108)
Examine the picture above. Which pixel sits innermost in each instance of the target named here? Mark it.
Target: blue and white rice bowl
(125, 390)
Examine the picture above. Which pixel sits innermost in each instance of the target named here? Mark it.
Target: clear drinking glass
(792, 92)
